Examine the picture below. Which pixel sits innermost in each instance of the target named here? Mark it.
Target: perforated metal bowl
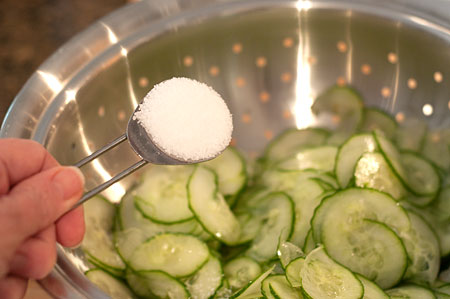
(269, 59)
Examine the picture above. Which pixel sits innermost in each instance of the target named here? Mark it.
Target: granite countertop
(30, 31)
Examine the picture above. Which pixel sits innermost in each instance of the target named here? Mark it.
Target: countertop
(30, 31)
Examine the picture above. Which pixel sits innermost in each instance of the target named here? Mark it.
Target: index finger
(21, 159)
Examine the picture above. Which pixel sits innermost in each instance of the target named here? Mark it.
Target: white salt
(186, 119)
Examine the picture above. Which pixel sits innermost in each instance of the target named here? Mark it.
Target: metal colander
(268, 59)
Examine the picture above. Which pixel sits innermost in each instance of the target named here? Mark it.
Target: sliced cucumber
(156, 284)
(349, 154)
(371, 289)
(130, 217)
(206, 281)
(354, 205)
(425, 263)
(250, 226)
(162, 196)
(277, 286)
(340, 107)
(253, 288)
(240, 271)
(97, 243)
(436, 148)
(307, 195)
(287, 252)
(231, 171)
(372, 171)
(176, 254)
(377, 120)
(289, 179)
(109, 284)
(410, 169)
(411, 292)
(410, 134)
(293, 140)
(277, 214)
(366, 247)
(321, 277)
(441, 206)
(210, 208)
(320, 158)
(422, 177)
(441, 228)
(309, 243)
(293, 271)
(126, 242)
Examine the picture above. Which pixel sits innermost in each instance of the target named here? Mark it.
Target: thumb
(37, 202)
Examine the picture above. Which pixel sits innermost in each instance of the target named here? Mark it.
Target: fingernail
(70, 180)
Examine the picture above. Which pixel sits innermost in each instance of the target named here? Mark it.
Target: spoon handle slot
(101, 151)
(108, 183)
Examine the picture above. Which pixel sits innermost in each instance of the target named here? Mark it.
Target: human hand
(35, 194)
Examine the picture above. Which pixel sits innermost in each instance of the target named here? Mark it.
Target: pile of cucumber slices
(357, 209)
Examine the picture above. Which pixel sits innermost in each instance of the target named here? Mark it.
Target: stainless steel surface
(268, 59)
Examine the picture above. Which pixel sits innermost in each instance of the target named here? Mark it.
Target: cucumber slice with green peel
(292, 140)
(436, 148)
(309, 243)
(371, 289)
(411, 292)
(338, 138)
(322, 277)
(421, 176)
(207, 280)
(372, 171)
(378, 120)
(349, 154)
(287, 252)
(250, 198)
(289, 179)
(161, 195)
(98, 243)
(424, 266)
(240, 271)
(277, 214)
(277, 286)
(410, 134)
(293, 271)
(109, 284)
(223, 292)
(340, 107)
(440, 295)
(230, 168)
(156, 284)
(441, 228)
(130, 217)
(307, 196)
(445, 288)
(411, 170)
(253, 288)
(94, 263)
(176, 254)
(126, 242)
(321, 158)
(355, 204)
(366, 247)
(250, 226)
(441, 206)
(210, 208)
